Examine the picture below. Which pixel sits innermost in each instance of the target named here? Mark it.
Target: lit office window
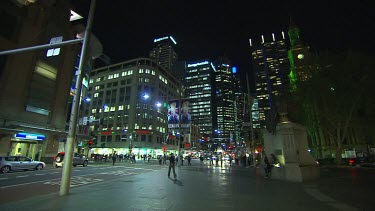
(96, 95)
(91, 81)
(121, 107)
(112, 108)
(98, 80)
(124, 74)
(140, 71)
(93, 111)
(110, 77)
(116, 75)
(97, 87)
(106, 109)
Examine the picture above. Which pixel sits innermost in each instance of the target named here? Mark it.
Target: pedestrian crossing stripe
(75, 181)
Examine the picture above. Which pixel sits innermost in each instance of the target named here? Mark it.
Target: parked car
(78, 159)
(358, 161)
(13, 163)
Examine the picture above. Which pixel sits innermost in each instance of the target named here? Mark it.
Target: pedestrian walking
(189, 160)
(267, 167)
(114, 157)
(230, 160)
(172, 166)
(211, 160)
(165, 159)
(160, 158)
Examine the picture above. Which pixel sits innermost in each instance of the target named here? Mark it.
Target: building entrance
(27, 148)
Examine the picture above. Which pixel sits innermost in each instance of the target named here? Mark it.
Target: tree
(335, 97)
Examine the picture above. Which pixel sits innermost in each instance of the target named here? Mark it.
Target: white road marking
(54, 173)
(330, 201)
(39, 174)
(76, 181)
(22, 176)
(29, 183)
(3, 178)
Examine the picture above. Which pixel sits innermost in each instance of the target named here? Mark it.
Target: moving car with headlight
(78, 159)
(14, 163)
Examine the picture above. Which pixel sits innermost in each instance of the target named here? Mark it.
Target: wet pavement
(198, 187)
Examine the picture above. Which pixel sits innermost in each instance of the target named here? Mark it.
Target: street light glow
(146, 96)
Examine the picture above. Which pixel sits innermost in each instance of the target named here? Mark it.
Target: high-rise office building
(225, 99)
(128, 107)
(271, 68)
(164, 52)
(200, 78)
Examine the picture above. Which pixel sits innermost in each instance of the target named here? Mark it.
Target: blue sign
(234, 69)
(30, 136)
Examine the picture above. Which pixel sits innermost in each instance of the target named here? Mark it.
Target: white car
(13, 163)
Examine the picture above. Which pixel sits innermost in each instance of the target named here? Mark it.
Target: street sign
(54, 51)
(84, 120)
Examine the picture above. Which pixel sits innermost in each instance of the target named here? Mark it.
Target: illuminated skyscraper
(271, 67)
(225, 98)
(164, 52)
(200, 77)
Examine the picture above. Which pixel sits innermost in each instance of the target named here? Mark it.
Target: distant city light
(173, 40)
(160, 39)
(213, 67)
(234, 69)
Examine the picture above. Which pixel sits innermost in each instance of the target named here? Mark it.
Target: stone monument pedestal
(289, 145)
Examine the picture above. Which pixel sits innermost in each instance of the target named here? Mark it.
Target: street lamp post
(66, 173)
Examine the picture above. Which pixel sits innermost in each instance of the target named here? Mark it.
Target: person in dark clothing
(114, 157)
(267, 167)
(171, 166)
(160, 158)
(189, 160)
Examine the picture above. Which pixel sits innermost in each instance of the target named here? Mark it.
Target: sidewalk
(196, 188)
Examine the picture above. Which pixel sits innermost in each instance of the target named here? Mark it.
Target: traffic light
(90, 142)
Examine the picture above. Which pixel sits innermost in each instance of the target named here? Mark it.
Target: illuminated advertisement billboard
(173, 111)
(185, 114)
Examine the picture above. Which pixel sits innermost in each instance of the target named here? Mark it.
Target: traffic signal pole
(69, 146)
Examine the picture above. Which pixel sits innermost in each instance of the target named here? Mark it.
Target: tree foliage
(336, 96)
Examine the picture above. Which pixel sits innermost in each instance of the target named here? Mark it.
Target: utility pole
(251, 120)
(69, 146)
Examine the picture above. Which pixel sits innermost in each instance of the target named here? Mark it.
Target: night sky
(206, 30)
